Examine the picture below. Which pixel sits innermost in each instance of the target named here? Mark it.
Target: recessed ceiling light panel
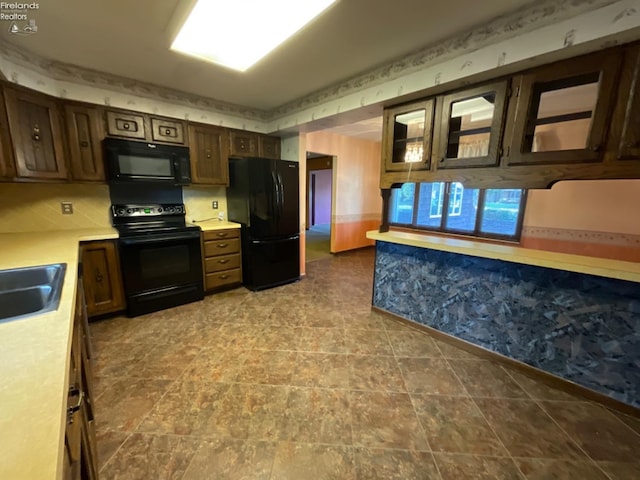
(238, 33)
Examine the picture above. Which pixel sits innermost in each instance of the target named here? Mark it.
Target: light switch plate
(67, 208)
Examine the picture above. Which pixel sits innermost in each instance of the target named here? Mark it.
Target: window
(449, 207)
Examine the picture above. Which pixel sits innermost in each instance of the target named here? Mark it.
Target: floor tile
(142, 456)
(411, 343)
(165, 362)
(483, 378)
(277, 338)
(321, 370)
(632, 422)
(125, 404)
(547, 469)
(456, 425)
(468, 467)
(251, 411)
(315, 415)
(108, 443)
(385, 420)
(297, 461)
(268, 367)
(368, 372)
(292, 316)
(367, 342)
(215, 365)
(430, 375)
(600, 433)
(621, 471)
(526, 431)
(451, 351)
(385, 464)
(327, 340)
(186, 409)
(364, 320)
(231, 459)
(325, 318)
(538, 389)
(117, 359)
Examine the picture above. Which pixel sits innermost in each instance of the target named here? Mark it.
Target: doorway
(319, 205)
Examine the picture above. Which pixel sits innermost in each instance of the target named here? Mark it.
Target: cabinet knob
(595, 148)
(126, 126)
(84, 144)
(36, 132)
(167, 132)
(98, 276)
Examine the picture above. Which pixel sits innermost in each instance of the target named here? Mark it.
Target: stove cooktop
(150, 219)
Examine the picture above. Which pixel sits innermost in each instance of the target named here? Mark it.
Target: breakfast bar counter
(571, 316)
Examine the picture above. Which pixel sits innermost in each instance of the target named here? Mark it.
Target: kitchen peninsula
(572, 316)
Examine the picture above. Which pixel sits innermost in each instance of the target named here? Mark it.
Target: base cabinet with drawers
(222, 258)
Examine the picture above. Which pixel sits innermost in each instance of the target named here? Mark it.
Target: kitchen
(292, 147)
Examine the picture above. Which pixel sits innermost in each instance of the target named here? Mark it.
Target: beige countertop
(602, 267)
(210, 225)
(34, 354)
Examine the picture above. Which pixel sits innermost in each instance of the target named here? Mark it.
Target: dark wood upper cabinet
(169, 131)
(560, 113)
(243, 144)
(126, 124)
(209, 155)
(628, 108)
(407, 139)
(85, 134)
(36, 132)
(7, 168)
(269, 147)
(468, 127)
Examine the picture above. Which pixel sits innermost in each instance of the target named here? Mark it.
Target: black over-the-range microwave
(131, 161)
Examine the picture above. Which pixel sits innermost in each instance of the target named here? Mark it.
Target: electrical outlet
(67, 208)
(214, 204)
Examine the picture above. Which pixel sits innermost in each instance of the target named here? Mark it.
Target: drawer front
(125, 125)
(167, 131)
(222, 262)
(221, 247)
(220, 279)
(220, 234)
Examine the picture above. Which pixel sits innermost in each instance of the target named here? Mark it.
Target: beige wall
(29, 207)
(587, 217)
(356, 202)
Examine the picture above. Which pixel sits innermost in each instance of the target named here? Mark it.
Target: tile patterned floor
(305, 382)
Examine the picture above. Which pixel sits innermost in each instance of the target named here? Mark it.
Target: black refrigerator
(263, 197)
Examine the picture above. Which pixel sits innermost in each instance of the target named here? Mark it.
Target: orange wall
(357, 204)
(598, 218)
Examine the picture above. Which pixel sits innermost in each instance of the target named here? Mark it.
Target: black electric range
(160, 256)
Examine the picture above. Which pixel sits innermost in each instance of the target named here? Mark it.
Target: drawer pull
(223, 245)
(223, 261)
(74, 391)
(222, 234)
(224, 277)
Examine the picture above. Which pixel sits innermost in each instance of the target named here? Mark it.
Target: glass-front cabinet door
(563, 112)
(469, 129)
(408, 136)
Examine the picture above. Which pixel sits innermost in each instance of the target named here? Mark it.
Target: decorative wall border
(582, 236)
(537, 15)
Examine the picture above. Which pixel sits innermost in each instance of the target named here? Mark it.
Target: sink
(29, 291)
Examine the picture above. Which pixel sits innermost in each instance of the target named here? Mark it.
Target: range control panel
(155, 210)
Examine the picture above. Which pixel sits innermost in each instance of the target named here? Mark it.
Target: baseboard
(533, 372)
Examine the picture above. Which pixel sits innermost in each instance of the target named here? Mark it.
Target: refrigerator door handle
(276, 210)
(281, 192)
(279, 240)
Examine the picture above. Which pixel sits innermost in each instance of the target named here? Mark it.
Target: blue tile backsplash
(581, 327)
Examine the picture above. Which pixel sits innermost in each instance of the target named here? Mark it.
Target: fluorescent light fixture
(238, 33)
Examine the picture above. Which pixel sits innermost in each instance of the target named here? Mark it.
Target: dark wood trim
(567, 117)
(535, 373)
(385, 193)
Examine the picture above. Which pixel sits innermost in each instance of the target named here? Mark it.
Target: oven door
(161, 271)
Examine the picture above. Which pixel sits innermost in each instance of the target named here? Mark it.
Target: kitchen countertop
(34, 354)
(211, 225)
(602, 267)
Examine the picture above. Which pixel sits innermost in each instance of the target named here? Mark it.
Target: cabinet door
(407, 137)
(169, 131)
(209, 157)
(269, 147)
(469, 127)
(560, 113)
(629, 143)
(34, 122)
(85, 134)
(125, 124)
(7, 168)
(102, 278)
(243, 144)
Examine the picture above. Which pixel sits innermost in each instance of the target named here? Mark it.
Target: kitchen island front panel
(580, 327)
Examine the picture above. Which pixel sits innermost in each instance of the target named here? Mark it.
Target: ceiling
(131, 39)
